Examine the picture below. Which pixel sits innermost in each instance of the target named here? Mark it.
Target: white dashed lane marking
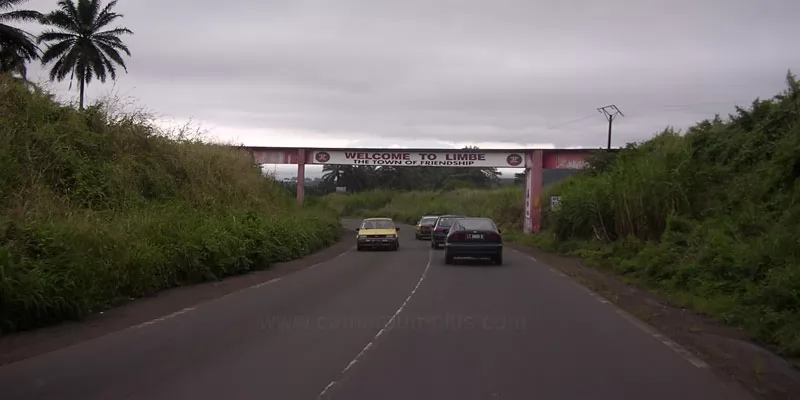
(383, 329)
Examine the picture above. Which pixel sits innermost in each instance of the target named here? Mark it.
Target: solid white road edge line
(644, 327)
(255, 286)
(168, 316)
(383, 329)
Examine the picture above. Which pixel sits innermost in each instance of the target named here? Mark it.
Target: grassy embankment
(710, 219)
(98, 208)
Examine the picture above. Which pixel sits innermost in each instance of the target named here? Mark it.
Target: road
(381, 325)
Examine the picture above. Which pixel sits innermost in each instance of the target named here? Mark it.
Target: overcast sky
(442, 73)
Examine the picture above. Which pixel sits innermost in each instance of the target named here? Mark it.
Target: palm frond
(69, 8)
(18, 41)
(52, 36)
(9, 4)
(106, 16)
(65, 64)
(115, 32)
(102, 66)
(113, 54)
(114, 44)
(21, 16)
(57, 50)
(61, 19)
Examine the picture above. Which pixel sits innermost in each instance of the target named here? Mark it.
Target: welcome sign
(420, 158)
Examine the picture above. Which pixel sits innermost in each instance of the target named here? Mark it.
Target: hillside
(710, 218)
(96, 209)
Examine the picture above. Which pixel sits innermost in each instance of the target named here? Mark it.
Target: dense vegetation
(505, 204)
(710, 218)
(98, 207)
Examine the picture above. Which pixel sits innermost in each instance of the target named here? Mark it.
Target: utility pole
(611, 112)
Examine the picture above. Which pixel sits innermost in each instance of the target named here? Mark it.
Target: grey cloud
(456, 70)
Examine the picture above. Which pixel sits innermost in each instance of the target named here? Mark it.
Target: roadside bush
(710, 219)
(99, 207)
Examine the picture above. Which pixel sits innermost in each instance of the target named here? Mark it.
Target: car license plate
(475, 236)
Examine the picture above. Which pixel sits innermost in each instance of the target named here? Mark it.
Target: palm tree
(17, 47)
(332, 173)
(81, 48)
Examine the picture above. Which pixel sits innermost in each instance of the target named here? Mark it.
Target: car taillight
(493, 237)
(457, 236)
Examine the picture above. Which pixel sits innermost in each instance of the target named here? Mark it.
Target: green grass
(99, 207)
(710, 218)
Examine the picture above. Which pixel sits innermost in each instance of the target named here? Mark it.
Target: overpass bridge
(534, 161)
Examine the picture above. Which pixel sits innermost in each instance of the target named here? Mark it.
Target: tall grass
(634, 196)
(98, 207)
(710, 219)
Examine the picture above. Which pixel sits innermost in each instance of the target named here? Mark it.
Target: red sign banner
(415, 158)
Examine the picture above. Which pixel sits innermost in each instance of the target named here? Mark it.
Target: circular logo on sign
(322, 157)
(514, 160)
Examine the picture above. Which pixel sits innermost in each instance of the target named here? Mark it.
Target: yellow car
(377, 233)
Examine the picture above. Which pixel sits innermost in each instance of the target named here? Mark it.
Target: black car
(474, 237)
(425, 226)
(441, 228)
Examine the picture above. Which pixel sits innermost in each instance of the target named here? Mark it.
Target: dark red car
(439, 233)
(425, 227)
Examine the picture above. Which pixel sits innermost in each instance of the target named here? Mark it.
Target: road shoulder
(727, 350)
(22, 345)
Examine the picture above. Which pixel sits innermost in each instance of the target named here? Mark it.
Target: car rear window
(446, 221)
(477, 224)
(377, 224)
(428, 221)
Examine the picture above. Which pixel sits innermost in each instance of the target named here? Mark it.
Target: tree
(332, 173)
(80, 47)
(519, 179)
(483, 177)
(17, 47)
(354, 177)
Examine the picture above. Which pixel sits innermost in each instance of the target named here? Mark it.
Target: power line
(611, 112)
(571, 121)
(700, 107)
(527, 134)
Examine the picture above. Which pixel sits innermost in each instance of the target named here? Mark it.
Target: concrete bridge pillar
(534, 165)
(301, 175)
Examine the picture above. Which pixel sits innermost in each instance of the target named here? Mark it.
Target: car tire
(396, 246)
(448, 258)
(359, 248)
(498, 259)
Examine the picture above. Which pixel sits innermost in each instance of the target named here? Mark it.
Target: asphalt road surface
(381, 325)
